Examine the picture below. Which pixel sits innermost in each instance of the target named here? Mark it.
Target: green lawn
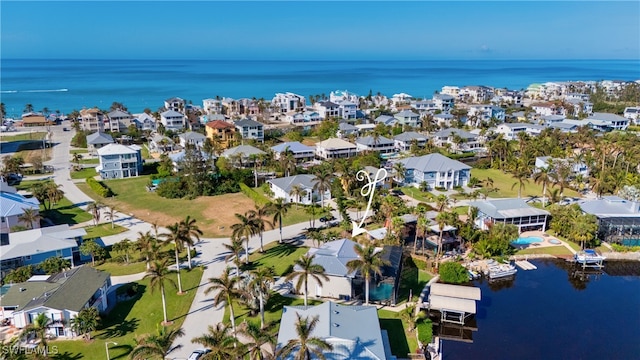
(79, 151)
(145, 152)
(119, 268)
(64, 212)
(84, 173)
(503, 183)
(27, 185)
(412, 280)
(461, 210)
(90, 161)
(23, 137)
(417, 194)
(103, 230)
(552, 250)
(296, 213)
(141, 315)
(278, 256)
(402, 342)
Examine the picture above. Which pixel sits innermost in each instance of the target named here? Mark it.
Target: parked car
(327, 218)
(197, 354)
(65, 129)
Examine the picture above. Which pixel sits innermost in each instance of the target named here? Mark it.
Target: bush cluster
(99, 188)
(453, 273)
(253, 195)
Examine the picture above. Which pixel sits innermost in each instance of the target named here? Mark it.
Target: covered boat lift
(454, 302)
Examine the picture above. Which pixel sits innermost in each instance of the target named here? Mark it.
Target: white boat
(502, 270)
(473, 275)
(588, 256)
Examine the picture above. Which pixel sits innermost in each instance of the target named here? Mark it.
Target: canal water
(556, 312)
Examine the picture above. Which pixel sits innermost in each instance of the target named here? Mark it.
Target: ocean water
(555, 313)
(72, 84)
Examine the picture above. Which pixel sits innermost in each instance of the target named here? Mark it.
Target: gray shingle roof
(244, 150)
(98, 138)
(610, 206)
(42, 240)
(247, 123)
(192, 136)
(454, 131)
(346, 127)
(409, 136)
(371, 141)
(294, 146)
(287, 183)
(606, 117)
(433, 162)
(507, 208)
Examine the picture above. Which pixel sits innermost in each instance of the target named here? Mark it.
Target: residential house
(192, 138)
(444, 102)
(551, 119)
(212, 106)
(451, 90)
(510, 211)
(335, 148)
(204, 119)
(404, 141)
(160, 143)
(618, 219)
(98, 140)
(580, 107)
(347, 109)
(632, 113)
(299, 151)
(243, 155)
(408, 117)
(305, 119)
(177, 159)
(423, 106)
(119, 161)
(144, 121)
(175, 103)
(437, 170)
(172, 120)
(327, 109)
(484, 113)
(282, 187)
(221, 131)
(31, 247)
(400, 99)
(284, 103)
(608, 121)
(564, 127)
(12, 206)
(250, 129)
(345, 130)
(457, 140)
(548, 108)
(353, 331)
(333, 256)
(476, 94)
(92, 120)
(444, 119)
(386, 119)
(579, 168)
(511, 130)
(119, 120)
(380, 144)
(32, 119)
(231, 107)
(61, 297)
(343, 95)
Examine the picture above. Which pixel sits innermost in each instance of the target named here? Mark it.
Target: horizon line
(317, 60)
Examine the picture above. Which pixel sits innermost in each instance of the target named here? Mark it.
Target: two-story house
(347, 109)
(119, 120)
(407, 117)
(192, 138)
(144, 121)
(172, 120)
(299, 151)
(282, 187)
(250, 129)
(404, 141)
(284, 103)
(335, 148)
(436, 170)
(221, 131)
(479, 114)
(119, 161)
(345, 130)
(175, 103)
(380, 144)
(327, 109)
(12, 206)
(443, 102)
(457, 140)
(212, 106)
(92, 119)
(511, 130)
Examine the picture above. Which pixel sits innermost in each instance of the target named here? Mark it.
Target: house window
(59, 253)
(28, 257)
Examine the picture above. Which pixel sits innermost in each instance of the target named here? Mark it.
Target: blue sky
(321, 30)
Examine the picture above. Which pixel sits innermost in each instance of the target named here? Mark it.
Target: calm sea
(72, 84)
(550, 314)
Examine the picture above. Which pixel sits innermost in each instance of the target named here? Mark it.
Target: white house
(345, 129)
(424, 106)
(444, 102)
(335, 148)
(547, 108)
(476, 94)
(407, 117)
(282, 187)
(333, 256)
(511, 130)
(299, 151)
(580, 106)
(250, 129)
(119, 161)
(144, 121)
(172, 120)
(175, 104)
(451, 90)
(212, 106)
(437, 170)
(443, 119)
(580, 168)
(632, 113)
(92, 119)
(381, 145)
(612, 121)
(343, 95)
(119, 120)
(484, 113)
(386, 119)
(403, 142)
(327, 109)
(347, 109)
(448, 137)
(192, 138)
(12, 206)
(284, 103)
(510, 211)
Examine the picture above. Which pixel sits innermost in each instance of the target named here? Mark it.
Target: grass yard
(503, 183)
(551, 250)
(120, 268)
(90, 161)
(23, 137)
(31, 155)
(64, 212)
(84, 173)
(145, 152)
(402, 342)
(79, 151)
(417, 194)
(140, 315)
(461, 210)
(103, 230)
(412, 279)
(278, 256)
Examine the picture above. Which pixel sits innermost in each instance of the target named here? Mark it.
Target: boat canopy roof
(456, 291)
(446, 303)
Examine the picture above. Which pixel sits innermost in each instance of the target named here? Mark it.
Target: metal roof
(287, 183)
(507, 208)
(99, 138)
(456, 291)
(294, 147)
(333, 256)
(47, 239)
(116, 149)
(371, 141)
(433, 162)
(610, 206)
(438, 302)
(409, 136)
(335, 143)
(14, 204)
(244, 150)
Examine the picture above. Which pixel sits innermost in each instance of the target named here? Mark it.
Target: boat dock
(525, 265)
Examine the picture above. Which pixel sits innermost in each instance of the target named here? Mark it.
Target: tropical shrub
(453, 273)
(99, 187)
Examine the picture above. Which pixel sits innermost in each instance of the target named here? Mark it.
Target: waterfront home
(632, 113)
(476, 94)
(335, 148)
(457, 140)
(221, 132)
(510, 131)
(243, 155)
(284, 103)
(35, 120)
(548, 108)
(343, 95)
(305, 119)
(443, 119)
(407, 117)
(605, 121)
(192, 138)
(12, 206)
(386, 119)
(61, 297)
(479, 114)
(300, 152)
(347, 110)
(551, 119)
(212, 106)
(160, 143)
(205, 119)
(92, 120)
(423, 106)
(119, 161)
(282, 187)
(443, 102)
(380, 144)
(510, 211)
(231, 107)
(31, 247)
(580, 106)
(250, 129)
(403, 142)
(400, 99)
(144, 121)
(327, 109)
(345, 130)
(353, 331)
(98, 140)
(172, 120)
(451, 90)
(618, 219)
(564, 127)
(175, 103)
(436, 170)
(119, 120)
(579, 168)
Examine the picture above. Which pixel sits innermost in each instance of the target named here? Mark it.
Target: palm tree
(543, 176)
(176, 236)
(422, 225)
(442, 202)
(279, 210)
(159, 275)
(152, 345)
(442, 219)
(522, 177)
(305, 344)
(235, 249)
(400, 170)
(261, 278)
(369, 262)
(246, 228)
(85, 322)
(29, 216)
(298, 192)
(258, 338)
(322, 183)
(94, 209)
(189, 231)
(125, 246)
(147, 244)
(110, 214)
(54, 193)
(305, 269)
(76, 158)
(225, 286)
(222, 345)
(259, 218)
(38, 328)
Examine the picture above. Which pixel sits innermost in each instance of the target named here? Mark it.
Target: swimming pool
(555, 242)
(527, 240)
(382, 292)
(630, 242)
(4, 289)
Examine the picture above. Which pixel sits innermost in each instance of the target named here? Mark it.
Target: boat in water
(588, 257)
(501, 270)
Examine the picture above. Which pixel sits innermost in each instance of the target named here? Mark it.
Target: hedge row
(253, 195)
(99, 188)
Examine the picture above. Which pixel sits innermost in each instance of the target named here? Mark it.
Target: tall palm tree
(543, 176)
(94, 209)
(298, 192)
(54, 193)
(442, 202)
(147, 244)
(225, 286)
(442, 219)
(235, 250)
(29, 216)
(38, 328)
(305, 269)
(369, 262)
(322, 183)
(258, 338)
(223, 346)
(522, 177)
(279, 210)
(176, 237)
(152, 345)
(246, 228)
(421, 226)
(110, 214)
(305, 345)
(189, 231)
(261, 279)
(400, 171)
(159, 275)
(261, 222)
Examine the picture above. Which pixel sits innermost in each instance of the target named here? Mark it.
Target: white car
(197, 354)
